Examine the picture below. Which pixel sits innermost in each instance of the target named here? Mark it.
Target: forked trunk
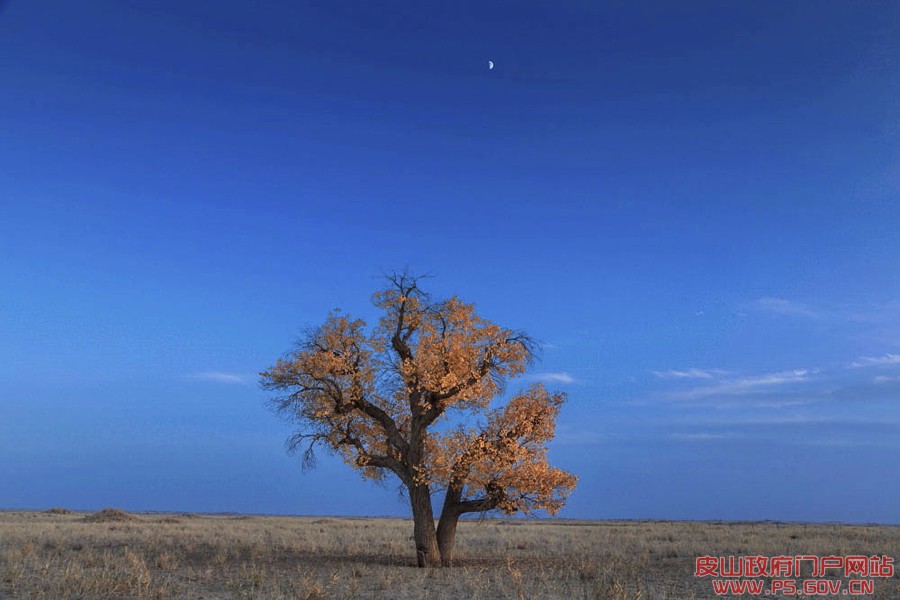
(423, 527)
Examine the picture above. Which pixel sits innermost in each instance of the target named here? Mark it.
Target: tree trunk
(446, 531)
(427, 554)
(446, 535)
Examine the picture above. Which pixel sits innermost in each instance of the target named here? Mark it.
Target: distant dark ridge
(56, 510)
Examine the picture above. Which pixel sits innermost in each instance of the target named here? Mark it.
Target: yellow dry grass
(58, 556)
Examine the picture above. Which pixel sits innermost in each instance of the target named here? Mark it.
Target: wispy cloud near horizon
(782, 306)
(561, 377)
(569, 435)
(690, 373)
(701, 437)
(743, 385)
(219, 377)
(877, 361)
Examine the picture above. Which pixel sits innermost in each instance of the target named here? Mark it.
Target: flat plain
(59, 554)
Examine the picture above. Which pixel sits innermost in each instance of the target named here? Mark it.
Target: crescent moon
(490, 65)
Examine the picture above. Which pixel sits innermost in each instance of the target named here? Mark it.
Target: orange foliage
(506, 460)
(377, 398)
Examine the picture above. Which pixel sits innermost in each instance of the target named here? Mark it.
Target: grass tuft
(58, 511)
(110, 515)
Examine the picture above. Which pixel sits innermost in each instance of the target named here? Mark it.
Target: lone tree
(386, 402)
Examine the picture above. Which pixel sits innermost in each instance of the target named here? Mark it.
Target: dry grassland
(58, 555)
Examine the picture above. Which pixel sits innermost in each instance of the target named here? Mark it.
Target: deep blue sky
(695, 206)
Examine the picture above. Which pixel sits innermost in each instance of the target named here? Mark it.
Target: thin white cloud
(561, 377)
(886, 379)
(690, 374)
(219, 377)
(568, 435)
(770, 421)
(701, 437)
(743, 385)
(781, 306)
(877, 361)
(799, 419)
(834, 442)
(772, 401)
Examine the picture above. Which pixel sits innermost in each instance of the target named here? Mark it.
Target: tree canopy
(383, 400)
